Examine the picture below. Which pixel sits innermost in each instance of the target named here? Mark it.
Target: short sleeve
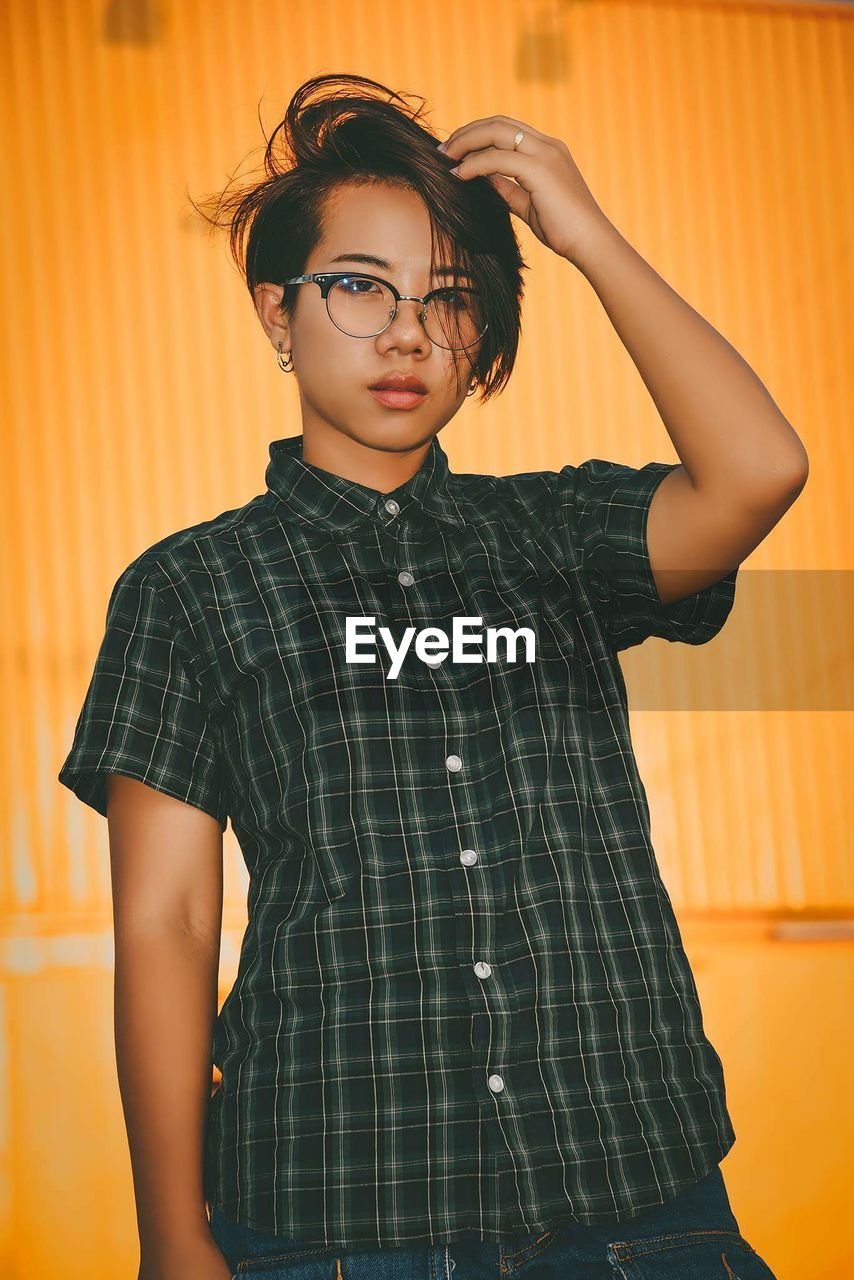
(142, 715)
(603, 508)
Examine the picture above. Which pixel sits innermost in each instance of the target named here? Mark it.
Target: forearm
(165, 1001)
(731, 438)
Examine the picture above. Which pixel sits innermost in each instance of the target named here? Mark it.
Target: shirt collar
(337, 503)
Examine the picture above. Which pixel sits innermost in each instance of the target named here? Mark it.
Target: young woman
(464, 1035)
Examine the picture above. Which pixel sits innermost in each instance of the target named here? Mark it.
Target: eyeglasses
(363, 306)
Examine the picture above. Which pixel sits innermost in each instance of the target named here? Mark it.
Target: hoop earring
(284, 366)
(472, 388)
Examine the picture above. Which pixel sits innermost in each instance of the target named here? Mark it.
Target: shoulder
(199, 549)
(526, 486)
(594, 485)
(524, 499)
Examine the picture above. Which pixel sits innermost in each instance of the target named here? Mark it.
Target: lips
(399, 382)
(395, 398)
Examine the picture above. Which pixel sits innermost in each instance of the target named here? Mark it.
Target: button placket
(389, 529)
(414, 673)
(468, 858)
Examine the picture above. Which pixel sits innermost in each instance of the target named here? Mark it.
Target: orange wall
(141, 394)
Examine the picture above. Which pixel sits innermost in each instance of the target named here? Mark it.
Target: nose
(407, 325)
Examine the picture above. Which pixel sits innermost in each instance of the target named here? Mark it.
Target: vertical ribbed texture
(141, 392)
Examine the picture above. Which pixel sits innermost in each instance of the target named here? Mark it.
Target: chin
(397, 433)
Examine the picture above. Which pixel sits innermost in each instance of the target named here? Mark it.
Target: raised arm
(166, 867)
(742, 462)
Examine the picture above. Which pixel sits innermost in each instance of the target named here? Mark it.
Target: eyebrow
(369, 260)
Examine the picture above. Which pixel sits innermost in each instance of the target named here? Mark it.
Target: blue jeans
(693, 1237)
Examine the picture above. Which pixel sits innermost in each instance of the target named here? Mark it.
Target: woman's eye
(359, 286)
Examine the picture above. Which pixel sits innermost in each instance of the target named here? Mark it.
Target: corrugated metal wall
(140, 392)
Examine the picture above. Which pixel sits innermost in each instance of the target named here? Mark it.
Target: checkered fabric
(462, 1004)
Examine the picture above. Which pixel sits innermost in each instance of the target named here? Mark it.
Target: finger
(477, 135)
(496, 130)
(471, 124)
(492, 160)
(509, 120)
(516, 196)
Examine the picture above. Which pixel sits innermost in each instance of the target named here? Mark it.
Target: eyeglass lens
(362, 308)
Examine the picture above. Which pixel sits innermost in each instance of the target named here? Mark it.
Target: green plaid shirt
(462, 1003)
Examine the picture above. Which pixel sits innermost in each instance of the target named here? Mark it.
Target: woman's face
(334, 371)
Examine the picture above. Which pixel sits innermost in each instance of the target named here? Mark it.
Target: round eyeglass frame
(326, 279)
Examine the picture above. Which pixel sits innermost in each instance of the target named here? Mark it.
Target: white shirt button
(468, 857)
(482, 969)
(495, 1083)
(454, 763)
(405, 578)
(392, 506)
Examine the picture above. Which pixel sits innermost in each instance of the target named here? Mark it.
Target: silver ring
(519, 136)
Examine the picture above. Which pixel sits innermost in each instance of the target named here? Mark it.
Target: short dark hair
(348, 129)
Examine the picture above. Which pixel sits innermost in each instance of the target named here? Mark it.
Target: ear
(267, 299)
